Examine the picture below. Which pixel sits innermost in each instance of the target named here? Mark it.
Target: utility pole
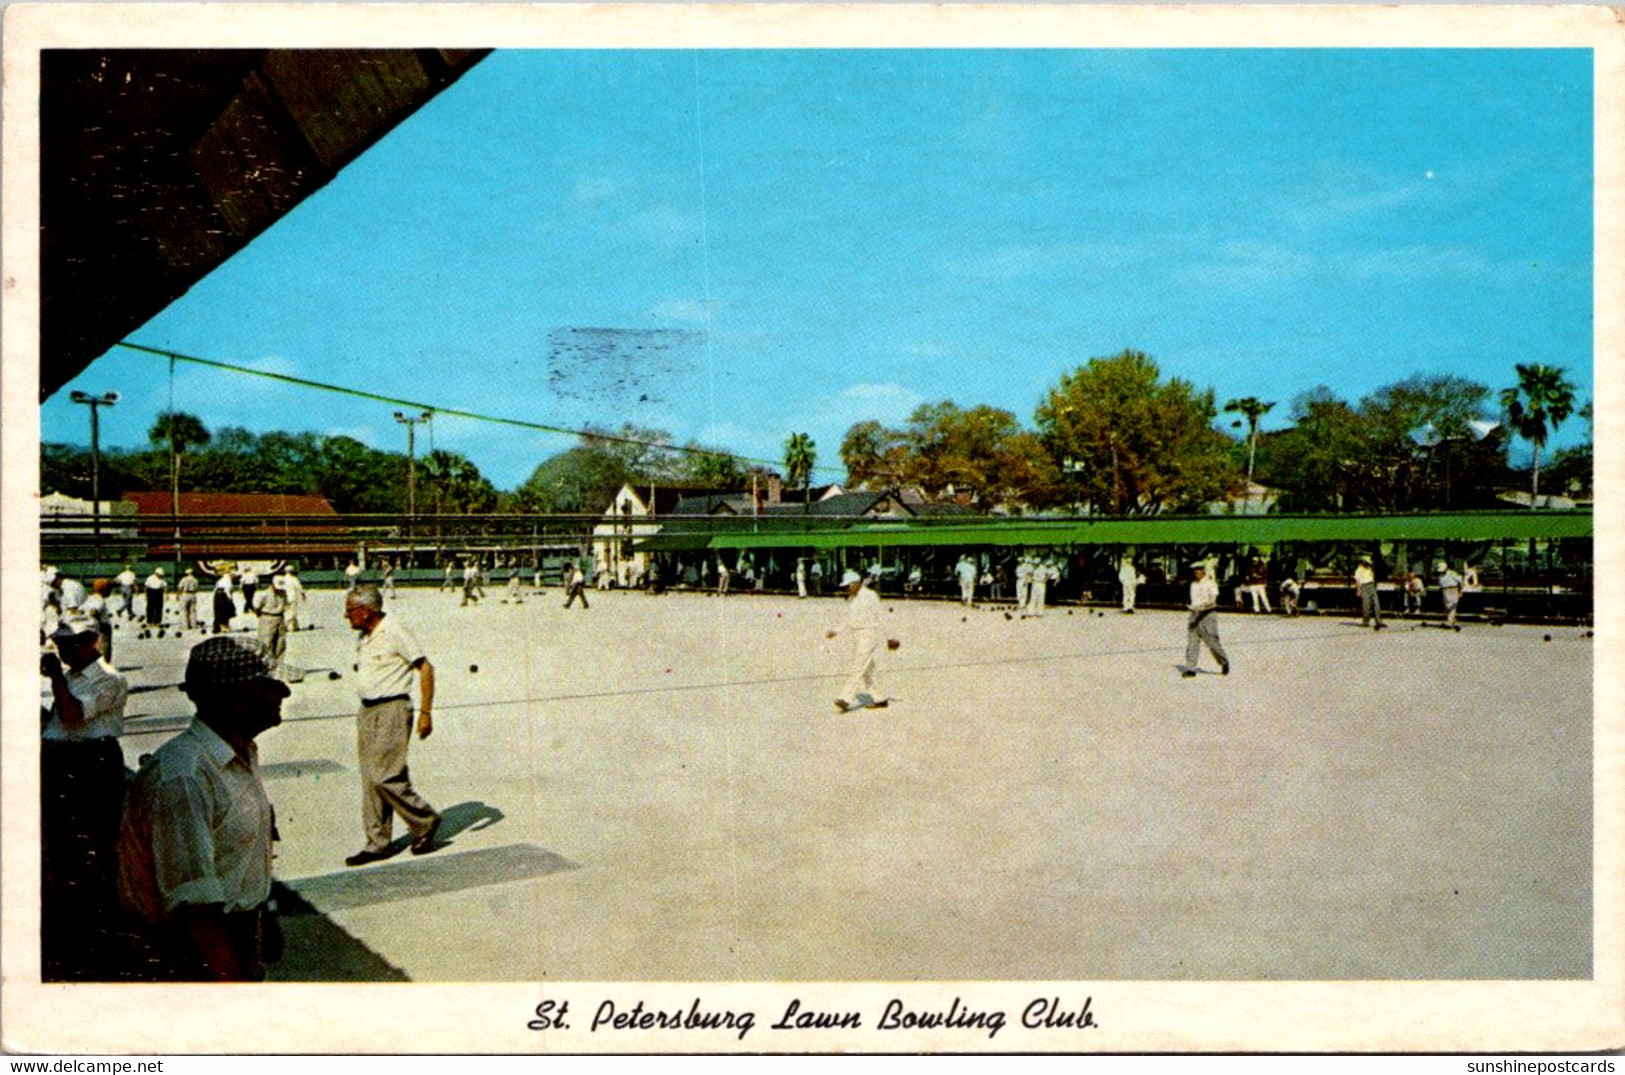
(411, 425)
(106, 399)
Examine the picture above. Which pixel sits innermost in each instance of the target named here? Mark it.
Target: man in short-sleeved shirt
(155, 597)
(195, 848)
(387, 660)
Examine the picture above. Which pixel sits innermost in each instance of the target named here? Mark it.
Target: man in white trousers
(863, 627)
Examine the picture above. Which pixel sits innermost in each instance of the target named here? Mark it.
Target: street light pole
(106, 399)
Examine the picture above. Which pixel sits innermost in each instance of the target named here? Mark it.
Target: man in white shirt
(186, 594)
(155, 597)
(126, 590)
(195, 847)
(1450, 589)
(1129, 577)
(1024, 586)
(270, 608)
(81, 788)
(387, 657)
(1365, 583)
(863, 624)
(224, 607)
(294, 591)
(965, 570)
(1203, 626)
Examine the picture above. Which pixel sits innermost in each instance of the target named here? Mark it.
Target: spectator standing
(195, 845)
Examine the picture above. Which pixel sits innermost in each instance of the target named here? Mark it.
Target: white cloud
(1248, 263)
(1419, 260)
(666, 224)
(889, 404)
(1019, 260)
(686, 310)
(592, 189)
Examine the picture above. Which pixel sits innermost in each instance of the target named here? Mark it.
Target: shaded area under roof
(157, 165)
(803, 532)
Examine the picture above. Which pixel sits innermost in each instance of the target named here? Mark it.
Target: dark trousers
(81, 792)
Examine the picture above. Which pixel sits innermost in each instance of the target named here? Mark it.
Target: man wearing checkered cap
(195, 847)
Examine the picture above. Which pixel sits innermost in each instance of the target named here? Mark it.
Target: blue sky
(796, 241)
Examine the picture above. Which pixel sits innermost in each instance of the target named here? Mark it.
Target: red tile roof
(157, 502)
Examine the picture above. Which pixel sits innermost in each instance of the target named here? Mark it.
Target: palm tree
(456, 482)
(799, 455)
(178, 431)
(1252, 409)
(1542, 395)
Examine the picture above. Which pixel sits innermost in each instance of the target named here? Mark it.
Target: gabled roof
(861, 503)
(668, 497)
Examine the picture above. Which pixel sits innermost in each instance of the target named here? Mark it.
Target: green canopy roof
(1159, 530)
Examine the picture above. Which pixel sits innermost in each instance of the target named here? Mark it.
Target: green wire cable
(397, 401)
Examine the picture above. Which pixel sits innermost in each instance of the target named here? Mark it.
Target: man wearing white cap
(1203, 626)
(294, 591)
(195, 848)
(1129, 577)
(270, 607)
(155, 597)
(186, 594)
(81, 787)
(126, 591)
(863, 624)
(965, 571)
(1024, 586)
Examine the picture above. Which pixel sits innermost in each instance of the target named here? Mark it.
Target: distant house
(1256, 500)
(68, 527)
(1543, 502)
(251, 526)
(626, 520)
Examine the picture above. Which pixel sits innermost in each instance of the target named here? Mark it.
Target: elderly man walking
(271, 607)
(863, 625)
(1203, 626)
(387, 656)
(186, 594)
(1450, 590)
(195, 846)
(1365, 583)
(1130, 579)
(155, 597)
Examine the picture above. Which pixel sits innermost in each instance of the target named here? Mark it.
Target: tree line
(1112, 436)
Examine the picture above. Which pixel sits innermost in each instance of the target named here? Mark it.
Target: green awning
(1174, 530)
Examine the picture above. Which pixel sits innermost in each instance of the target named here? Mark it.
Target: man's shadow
(464, 817)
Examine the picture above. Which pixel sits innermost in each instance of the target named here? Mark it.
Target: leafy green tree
(356, 478)
(1251, 408)
(870, 451)
(1136, 444)
(714, 469)
(1571, 468)
(1540, 402)
(980, 450)
(579, 480)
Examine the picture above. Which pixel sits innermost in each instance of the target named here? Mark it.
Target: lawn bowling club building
(1530, 565)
